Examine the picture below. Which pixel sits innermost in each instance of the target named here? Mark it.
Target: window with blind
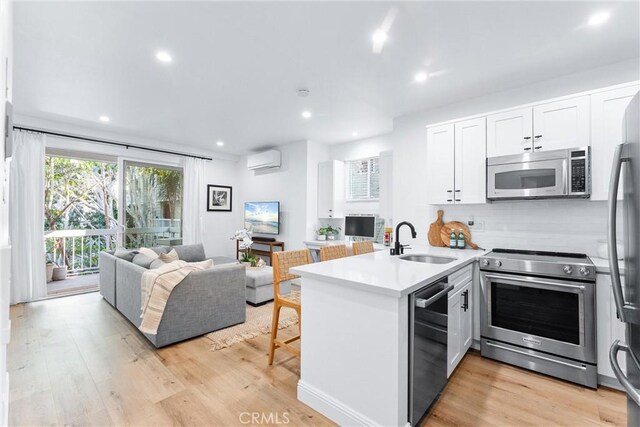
(364, 179)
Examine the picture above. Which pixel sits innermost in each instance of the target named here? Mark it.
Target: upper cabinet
(440, 164)
(561, 124)
(456, 166)
(607, 115)
(509, 132)
(470, 161)
(331, 189)
(550, 126)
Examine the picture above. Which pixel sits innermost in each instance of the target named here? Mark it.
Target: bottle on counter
(388, 236)
(453, 239)
(461, 241)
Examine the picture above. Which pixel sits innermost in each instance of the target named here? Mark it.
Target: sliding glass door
(153, 200)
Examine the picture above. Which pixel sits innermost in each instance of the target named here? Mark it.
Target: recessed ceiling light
(105, 119)
(354, 133)
(163, 56)
(599, 18)
(219, 143)
(420, 77)
(306, 114)
(379, 36)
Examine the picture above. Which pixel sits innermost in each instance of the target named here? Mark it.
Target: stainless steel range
(538, 312)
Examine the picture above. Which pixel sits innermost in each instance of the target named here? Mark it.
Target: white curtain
(194, 202)
(26, 218)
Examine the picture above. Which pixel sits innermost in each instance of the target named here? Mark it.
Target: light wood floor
(76, 361)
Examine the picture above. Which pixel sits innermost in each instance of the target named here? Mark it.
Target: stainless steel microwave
(544, 174)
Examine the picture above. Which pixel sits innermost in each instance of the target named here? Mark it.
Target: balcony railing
(79, 249)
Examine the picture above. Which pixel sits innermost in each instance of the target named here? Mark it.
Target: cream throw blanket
(156, 287)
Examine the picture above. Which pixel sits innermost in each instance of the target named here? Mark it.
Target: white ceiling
(237, 65)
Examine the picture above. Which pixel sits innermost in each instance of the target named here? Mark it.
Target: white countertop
(602, 265)
(382, 273)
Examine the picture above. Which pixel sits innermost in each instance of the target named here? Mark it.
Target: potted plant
(248, 259)
(49, 270)
(328, 232)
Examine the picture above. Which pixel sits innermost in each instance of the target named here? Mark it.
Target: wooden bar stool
(282, 262)
(328, 253)
(360, 248)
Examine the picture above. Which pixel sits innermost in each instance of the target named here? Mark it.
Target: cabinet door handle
(527, 148)
(538, 136)
(465, 295)
(457, 191)
(449, 191)
(527, 137)
(538, 147)
(449, 200)
(458, 200)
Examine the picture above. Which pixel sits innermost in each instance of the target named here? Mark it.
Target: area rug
(258, 323)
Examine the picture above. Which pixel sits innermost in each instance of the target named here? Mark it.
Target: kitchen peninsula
(355, 351)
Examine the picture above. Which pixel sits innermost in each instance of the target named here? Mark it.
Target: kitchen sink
(428, 259)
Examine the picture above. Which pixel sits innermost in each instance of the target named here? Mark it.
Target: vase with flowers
(248, 259)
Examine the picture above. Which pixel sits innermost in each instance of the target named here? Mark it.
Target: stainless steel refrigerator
(626, 288)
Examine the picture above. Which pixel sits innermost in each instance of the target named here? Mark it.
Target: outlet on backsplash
(475, 226)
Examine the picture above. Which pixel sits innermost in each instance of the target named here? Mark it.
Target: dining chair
(282, 262)
(360, 248)
(328, 253)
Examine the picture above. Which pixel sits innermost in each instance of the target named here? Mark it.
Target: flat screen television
(360, 226)
(262, 217)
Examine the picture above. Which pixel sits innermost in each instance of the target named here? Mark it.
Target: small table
(261, 252)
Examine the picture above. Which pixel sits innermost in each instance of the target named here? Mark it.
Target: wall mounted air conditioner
(265, 160)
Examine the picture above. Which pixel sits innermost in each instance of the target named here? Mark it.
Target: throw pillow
(156, 263)
(150, 253)
(171, 256)
(125, 254)
(143, 260)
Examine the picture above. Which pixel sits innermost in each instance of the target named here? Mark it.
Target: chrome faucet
(398, 248)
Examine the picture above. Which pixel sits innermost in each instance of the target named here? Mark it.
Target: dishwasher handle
(424, 303)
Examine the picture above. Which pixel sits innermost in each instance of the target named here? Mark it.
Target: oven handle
(535, 281)
(613, 359)
(548, 359)
(424, 303)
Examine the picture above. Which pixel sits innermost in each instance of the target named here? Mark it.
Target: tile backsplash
(550, 225)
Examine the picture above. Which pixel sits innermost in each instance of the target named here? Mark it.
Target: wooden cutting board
(434, 231)
(445, 233)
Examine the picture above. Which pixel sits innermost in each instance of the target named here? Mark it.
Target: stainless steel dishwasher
(428, 312)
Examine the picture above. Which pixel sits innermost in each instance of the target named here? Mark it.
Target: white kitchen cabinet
(549, 126)
(509, 132)
(440, 164)
(456, 165)
(459, 325)
(331, 189)
(561, 124)
(609, 327)
(470, 172)
(607, 115)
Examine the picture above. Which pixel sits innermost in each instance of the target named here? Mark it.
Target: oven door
(545, 178)
(548, 315)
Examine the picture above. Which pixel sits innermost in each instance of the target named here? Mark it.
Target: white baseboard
(331, 408)
(5, 401)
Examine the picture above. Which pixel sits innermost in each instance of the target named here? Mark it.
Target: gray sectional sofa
(203, 302)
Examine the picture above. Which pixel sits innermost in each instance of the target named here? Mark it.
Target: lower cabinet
(459, 325)
(609, 327)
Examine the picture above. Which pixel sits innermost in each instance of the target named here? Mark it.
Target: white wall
(219, 227)
(287, 185)
(507, 224)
